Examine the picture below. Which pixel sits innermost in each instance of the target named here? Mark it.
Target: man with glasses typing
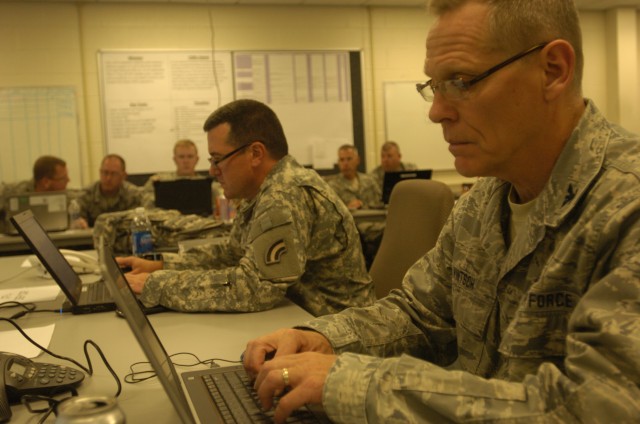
(526, 310)
(292, 236)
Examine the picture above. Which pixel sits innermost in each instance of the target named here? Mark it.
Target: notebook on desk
(188, 195)
(393, 178)
(49, 207)
(212, 394)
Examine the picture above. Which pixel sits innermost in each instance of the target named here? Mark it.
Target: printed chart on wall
(36, 121)
(153, 98)
(407, 123)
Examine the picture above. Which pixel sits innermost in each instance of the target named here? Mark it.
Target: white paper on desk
(30, 294)
(14, 342)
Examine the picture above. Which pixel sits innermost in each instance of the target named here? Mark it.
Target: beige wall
(45, 44)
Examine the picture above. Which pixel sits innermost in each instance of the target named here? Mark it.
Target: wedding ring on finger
(285, 377)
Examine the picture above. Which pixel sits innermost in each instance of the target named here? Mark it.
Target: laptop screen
(50, 208)
(188, 195)
(393, 178)
(144, 333)
(49, 255)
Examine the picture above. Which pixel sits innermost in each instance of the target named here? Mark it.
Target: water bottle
(74, 214)
(223, 208)
(141, 239)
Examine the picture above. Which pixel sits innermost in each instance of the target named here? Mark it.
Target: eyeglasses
(457, 88)
(216, 162)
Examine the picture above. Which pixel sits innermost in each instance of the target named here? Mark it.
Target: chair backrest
(418, 209)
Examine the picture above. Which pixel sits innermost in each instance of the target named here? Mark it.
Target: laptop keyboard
(237, 402)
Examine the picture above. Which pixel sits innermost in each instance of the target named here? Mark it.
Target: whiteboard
(37, 121)
(407, 123)
(153, 98)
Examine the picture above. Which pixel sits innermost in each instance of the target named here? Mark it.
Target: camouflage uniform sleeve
(84, 200)
(273, 259)
(599, 381)
(370, 193)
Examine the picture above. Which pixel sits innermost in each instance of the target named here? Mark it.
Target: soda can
(94, 410)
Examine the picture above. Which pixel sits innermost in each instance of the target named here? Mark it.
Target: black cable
(28, 307)
(139, 376)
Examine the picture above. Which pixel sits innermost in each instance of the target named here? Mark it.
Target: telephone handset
(22, 376)
(82, 263)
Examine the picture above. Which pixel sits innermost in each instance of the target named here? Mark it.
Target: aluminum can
(94, 410)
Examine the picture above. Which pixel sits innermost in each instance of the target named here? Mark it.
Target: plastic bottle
(223, 208)
(141, 239)
(74, 214)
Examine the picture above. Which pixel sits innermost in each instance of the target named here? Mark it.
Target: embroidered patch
(274, 253)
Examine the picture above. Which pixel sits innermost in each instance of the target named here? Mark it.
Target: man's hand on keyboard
(305, 374)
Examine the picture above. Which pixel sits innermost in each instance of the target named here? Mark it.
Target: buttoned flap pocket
(415, 375)
(274, 248)
(471, 308)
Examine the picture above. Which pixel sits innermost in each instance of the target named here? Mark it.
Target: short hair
(45, 167)
(185, 142)
(515, 25)
(251, 120)
(349, 147)
(115, 156)
(389, 145)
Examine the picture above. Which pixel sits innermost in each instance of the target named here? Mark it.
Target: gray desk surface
(210, 335)
(67, 239)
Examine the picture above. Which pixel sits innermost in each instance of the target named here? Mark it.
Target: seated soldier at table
(292, 236)
(111, 193)
(390, 161)
(357, 190)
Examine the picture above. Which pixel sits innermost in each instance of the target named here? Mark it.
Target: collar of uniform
(96, 194)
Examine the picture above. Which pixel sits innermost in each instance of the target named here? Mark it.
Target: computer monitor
(393, 178)
(188, 195)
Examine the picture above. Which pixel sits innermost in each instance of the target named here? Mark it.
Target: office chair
(418, 209)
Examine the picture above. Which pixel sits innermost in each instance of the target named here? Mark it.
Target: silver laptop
(49, 207)
(215, 393)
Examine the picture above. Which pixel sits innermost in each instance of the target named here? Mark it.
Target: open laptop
(49, 207)
(188, 195)
(393, 178)
(82, 298)
(213, 393)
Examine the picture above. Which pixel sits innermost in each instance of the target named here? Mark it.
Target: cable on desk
(28, 307)
(139, 376)
(88, 370)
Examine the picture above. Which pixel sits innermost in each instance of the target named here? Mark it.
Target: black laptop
(393, 178)
(82, 298)
(215, 393)
(50, 207)
(188, 195)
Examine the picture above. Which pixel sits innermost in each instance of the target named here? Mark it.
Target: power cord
(138, 376)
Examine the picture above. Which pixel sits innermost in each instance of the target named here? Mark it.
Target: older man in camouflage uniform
(390, 161)
(292, 236)
(534, 283)
(112, 193)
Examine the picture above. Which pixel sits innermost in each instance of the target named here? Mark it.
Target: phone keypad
(55, 374)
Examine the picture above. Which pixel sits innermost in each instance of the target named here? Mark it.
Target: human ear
(559, 67)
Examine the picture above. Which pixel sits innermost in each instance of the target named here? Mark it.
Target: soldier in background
(533, 286)
(112, 193)
(390, 161)
(357, 190)
(292, 236)
(185, 156)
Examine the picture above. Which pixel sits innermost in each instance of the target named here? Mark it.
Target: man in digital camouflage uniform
(292, 236)
(390, 161)
(533, 285)
(112, 193)
(357, 190)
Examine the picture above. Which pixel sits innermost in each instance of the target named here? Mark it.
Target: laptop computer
(214, 393)
(393, 178)
(49, 207)
(82, 298)
(188, 195)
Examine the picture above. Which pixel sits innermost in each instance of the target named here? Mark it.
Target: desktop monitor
(187, 195)
(393, 178)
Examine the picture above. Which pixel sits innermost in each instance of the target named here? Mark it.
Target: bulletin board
(407, 123)
(36, 121)
(150, 99)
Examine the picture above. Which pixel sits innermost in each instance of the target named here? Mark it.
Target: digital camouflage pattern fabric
(93, 203)
(294, 239)
(367, 192)
(546, 330)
